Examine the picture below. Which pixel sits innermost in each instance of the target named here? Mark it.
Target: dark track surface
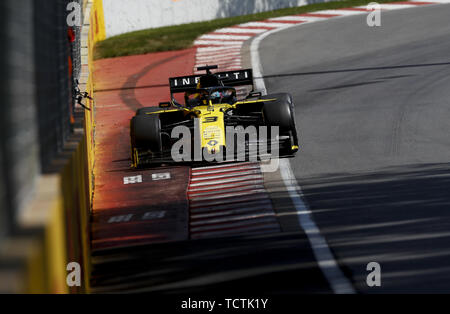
(238, 266)
(373, 109)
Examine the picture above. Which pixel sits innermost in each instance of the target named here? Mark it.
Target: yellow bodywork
(211, 127)
(212, 122)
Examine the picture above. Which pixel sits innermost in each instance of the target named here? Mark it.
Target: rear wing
(184, 84)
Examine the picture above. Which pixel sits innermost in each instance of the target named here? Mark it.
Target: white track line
(223, 36)
(223, 61)
(231, 206)
(233, 174)
(236, 211)
(221, 43)
(234, 200)
(338, 282)
(265, 24)
(387, 6)
(224, 181)
(234, 62)
(340, 12)
(215, 50)
(232, 165)
(228, 187)
(222, 65)
(325, 259)
(231, 59)
(218, 60)
(221, 170)
(313, 18)
(218, 56)
(226, 195)
(287, 18)
(236, 30)
(217, 191)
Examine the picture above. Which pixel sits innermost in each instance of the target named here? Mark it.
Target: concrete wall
(143, 14)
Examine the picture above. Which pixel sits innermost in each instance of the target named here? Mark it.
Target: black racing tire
(279, 112)
(145, 131)
(146, 110)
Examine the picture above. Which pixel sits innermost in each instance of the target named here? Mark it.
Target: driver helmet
(216, 95)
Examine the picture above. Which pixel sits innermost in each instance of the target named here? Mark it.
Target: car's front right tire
(280, 112)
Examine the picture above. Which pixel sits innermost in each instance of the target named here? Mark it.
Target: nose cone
(213, 146)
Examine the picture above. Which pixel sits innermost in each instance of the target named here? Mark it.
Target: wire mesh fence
(40, 61)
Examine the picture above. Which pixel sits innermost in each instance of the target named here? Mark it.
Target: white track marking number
(154, 215)
(127, 218)
(161, 176)
(121, 218)
(132, 180)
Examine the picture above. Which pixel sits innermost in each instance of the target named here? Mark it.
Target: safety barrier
(142, 14)
(58, 220)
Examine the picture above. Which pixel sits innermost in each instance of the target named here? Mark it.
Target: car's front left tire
(145, 131)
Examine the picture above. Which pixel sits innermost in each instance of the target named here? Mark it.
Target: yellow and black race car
(213, 125)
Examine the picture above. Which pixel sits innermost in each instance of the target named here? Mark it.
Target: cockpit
(217, 95)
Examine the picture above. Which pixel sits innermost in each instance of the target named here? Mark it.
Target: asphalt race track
(373, 109)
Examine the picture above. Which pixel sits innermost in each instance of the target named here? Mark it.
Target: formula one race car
(212, 120)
